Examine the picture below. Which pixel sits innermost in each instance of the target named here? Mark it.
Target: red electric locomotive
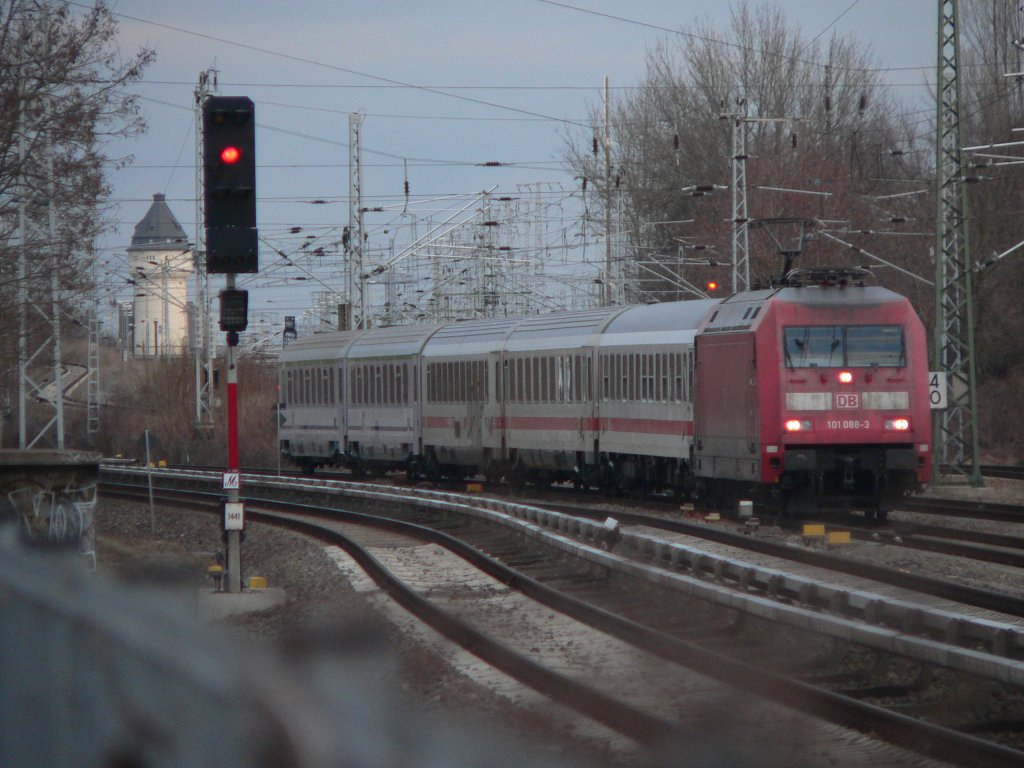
(812, 396)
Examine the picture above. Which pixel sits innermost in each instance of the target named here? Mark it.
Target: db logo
(848, 400)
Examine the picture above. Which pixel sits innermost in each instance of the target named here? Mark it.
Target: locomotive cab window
(835, 346)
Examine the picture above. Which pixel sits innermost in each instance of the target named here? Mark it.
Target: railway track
(612, 604)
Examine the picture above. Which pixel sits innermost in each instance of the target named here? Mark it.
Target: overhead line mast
(956, 428)
(203, 336)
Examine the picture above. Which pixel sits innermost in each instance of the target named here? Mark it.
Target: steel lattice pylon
(956, 428)
(740, 218)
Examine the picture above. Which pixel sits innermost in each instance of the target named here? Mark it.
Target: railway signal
(229, 184)
(229, 213)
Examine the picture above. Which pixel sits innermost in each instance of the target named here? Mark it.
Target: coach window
(641, 377)
(544, 378)
(564, 381)
(642, 388)
(647, 377)
(577, 380)
(626, 375)
(634, 377)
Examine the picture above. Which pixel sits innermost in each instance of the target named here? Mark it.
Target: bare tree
(816, 116)
(63, 97)
(991, 35)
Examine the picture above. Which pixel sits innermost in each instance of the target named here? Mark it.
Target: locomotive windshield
(839, 346)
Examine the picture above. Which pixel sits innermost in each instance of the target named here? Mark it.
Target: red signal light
(230, 155)
(712, 286)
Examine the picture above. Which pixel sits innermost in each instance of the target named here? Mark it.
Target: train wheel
(796, 507)
(878, 515)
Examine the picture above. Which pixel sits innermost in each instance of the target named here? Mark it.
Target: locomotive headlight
(846, 377)
(897, 425)
(797, 425)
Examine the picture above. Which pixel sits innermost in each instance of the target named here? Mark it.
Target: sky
(445, 88)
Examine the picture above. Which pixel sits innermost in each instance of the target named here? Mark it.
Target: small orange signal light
(712, 286)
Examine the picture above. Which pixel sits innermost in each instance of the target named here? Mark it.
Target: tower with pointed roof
(160, 259)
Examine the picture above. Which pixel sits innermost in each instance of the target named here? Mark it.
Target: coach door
(495, 416)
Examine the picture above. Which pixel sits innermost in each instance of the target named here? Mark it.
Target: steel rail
(893, 727)
(961, 593)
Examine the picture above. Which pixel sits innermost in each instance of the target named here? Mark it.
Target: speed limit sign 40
(937, 389)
